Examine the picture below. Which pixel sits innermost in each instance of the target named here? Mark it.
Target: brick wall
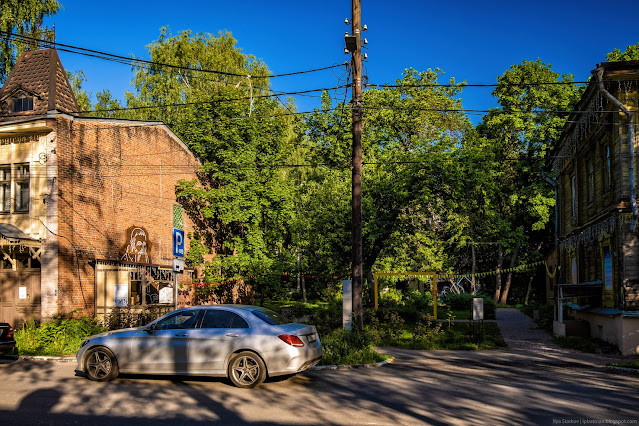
(113, 175)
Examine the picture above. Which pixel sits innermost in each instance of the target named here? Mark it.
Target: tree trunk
(500, 259)
(472, 269)
(298, 271)
(504, 294)
(303, 288)
(530, 280)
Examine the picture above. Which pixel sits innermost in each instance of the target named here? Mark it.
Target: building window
(22, 188)
(607, 168)
(135, 280)
(5, 189)
(159, 292)
(22, 104)
(591, 181)
(573, 191)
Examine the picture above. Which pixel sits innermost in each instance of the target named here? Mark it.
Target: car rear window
(270, 317)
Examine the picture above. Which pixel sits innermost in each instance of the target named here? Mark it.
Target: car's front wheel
(100, 365)
(246, 370)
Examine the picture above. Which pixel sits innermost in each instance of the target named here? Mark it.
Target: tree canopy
(630, 54)
(273, 196)
(24, 18)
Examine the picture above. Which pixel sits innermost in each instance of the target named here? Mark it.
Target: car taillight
(292, 340)
(10, 333)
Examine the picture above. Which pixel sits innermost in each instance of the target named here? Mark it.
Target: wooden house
(598, 247)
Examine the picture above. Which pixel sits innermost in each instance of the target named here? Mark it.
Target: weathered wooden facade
(598, 246)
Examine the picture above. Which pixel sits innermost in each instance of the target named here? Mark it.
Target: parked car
(244, 343)
(7, 342)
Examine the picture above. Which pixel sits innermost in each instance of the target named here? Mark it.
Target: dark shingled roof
(40, 74)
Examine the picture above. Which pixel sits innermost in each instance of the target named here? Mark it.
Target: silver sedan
(241, 342)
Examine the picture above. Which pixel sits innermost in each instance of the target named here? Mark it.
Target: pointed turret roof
(38, 74)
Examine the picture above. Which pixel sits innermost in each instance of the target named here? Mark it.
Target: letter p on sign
(178, 242)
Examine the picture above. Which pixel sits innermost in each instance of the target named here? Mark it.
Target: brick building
(87, 205)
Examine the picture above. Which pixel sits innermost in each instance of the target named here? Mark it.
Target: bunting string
(519, 268)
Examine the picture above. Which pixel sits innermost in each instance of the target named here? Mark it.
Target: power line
(463, 84)
(215, 101)
(136, 62)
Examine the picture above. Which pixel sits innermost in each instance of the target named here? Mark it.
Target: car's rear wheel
(100, 365)
(246, 370)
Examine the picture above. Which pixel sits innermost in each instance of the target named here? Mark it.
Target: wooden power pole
(357, 265)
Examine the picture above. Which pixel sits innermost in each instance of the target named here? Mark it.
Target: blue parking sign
(178, 242)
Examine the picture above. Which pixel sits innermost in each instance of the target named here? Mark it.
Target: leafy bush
(425, 330)
(62, 336)
(410, 305)
(464, 302)
(578, 343)
(546, 314)
(349, 347)
(458, 302)
(391, 297)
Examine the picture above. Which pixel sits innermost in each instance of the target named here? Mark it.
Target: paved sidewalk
(522, 335)
(521, 332)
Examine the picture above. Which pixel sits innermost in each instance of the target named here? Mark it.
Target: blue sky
(469, 40)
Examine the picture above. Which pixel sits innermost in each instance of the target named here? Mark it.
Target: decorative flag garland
(519, 268)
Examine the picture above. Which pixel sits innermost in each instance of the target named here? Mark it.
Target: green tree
(521, 133)
(412, 129)
(630, 54)
(23, 18)
(408, 130)
(108, 106)
(243, 201)
(81, 95)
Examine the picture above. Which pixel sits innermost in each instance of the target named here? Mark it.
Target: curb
(315, 368)
(348, 367)
(625, 369)
(39, 358)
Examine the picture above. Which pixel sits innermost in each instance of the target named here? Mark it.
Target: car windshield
(270, 317)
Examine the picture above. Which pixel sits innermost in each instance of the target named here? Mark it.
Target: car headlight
(84, 343)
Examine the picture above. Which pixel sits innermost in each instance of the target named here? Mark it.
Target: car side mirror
(149, 328)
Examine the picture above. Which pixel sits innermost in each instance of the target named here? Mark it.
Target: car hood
(125, 332)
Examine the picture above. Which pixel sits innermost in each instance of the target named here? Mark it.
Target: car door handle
(232, 335)
(180, 335)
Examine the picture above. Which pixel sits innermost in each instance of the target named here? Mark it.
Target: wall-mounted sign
(22, 292)
(137, 246)
(166, 295)
(121, 295)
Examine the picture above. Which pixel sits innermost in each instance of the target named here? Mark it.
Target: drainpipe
(556, 186)
(598, 73)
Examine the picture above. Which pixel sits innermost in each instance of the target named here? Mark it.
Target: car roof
(232, 306)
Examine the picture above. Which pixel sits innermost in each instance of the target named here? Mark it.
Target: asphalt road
(420, 387)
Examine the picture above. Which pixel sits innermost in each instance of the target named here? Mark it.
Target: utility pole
(357, 264)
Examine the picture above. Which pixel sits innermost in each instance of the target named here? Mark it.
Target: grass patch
(54, 338)
(460, 336)
(577, 343)
(632, 364)
(348, 348)
(585, 344)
